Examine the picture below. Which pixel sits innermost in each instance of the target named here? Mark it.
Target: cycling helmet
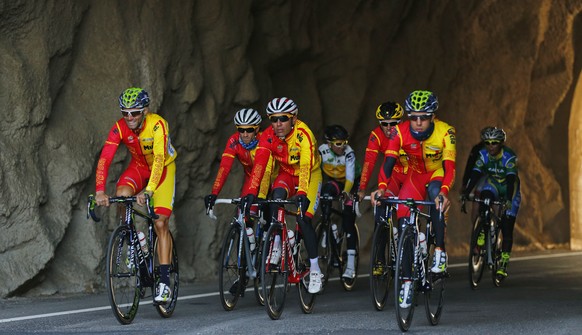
(247, 117)
(493, 134)
(421, 101)
(389, 110)
(134, 97)
(485, 130)
(335, 132)
(282, 105)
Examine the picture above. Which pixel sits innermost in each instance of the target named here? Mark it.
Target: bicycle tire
(497, 279)
(349, 283)
(405, 246)
(166, 310)
(258, 257)
(322, 232)
(434, 296)
(274, 276)
(382, 262)
(123, 276)
(477, 256)
(228, 270)
(303, 264)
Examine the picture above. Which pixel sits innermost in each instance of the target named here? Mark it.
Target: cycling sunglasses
(246, 129)
(282, 118)
(133, 113)
(389, 123)
(422, 117)
(339, 143)
(492, 142)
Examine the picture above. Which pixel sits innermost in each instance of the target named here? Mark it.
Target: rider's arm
(370, 158)
(266, 181)
(107, 154)
(161, 138)
(262, 158)
(308, 158)
(350, 170)
(386, 172)
(449, 157)
(226, 162)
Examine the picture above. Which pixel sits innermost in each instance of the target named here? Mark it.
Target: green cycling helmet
(421, 101)
(134, 97)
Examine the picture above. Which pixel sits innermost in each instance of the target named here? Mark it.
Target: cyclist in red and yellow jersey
(242, 145)
(292, 145)
(430, 146)
(151, 170)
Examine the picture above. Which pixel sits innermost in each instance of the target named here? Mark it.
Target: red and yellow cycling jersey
(150, 149)
(233, 150)
(378, 143)
(435, 155)
(295, 155)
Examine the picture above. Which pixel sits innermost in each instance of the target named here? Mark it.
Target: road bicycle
(290, 267)
(332, 242)
(412, 264)
(130, 271)
(382, 256)
(239, 258)
(487, 224)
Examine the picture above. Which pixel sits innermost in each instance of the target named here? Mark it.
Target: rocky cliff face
(63, 64)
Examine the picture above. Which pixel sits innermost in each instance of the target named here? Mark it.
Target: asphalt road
(542, 295)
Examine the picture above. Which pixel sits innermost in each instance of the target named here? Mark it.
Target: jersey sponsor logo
(280, 148)
(293, 157)
(130, 139)
(300, 137)
(148, 147)
(156, 127)
(452, 136)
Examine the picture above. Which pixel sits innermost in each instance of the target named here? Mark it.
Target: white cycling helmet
(282, 105)
(247, 117)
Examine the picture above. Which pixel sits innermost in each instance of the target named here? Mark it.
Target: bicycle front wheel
(257, 258)
(405, 279)
(496, 252)
(229, 280)
(477, 255)
(274, 272)
(435, 290)
(166, 310)
(303, 264)
(381, 266)
(122, 272)
(348, 283)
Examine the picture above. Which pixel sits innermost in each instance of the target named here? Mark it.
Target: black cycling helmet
(336, 132)
(493, 134)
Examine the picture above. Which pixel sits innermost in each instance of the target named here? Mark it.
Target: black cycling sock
(165, 274)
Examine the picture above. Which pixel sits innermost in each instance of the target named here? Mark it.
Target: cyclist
(430, 146)
(473, 155)
(292, 145)
(389, 114)
(338, 162)
(495, 175)
(151, 171)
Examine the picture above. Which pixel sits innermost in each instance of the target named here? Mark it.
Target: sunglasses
(246, 130)
(492, 142)
(389, 123)
(282, 118)
(423, 117)
(339, 143)
(133, 113)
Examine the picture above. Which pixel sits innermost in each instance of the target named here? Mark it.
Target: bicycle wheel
(434, 292)
(496, 251)
(122, 270)
(258, 257)
(274, 273)
(303, 264)
(477, 256)
(166, 310)
(323, 250)
(405, 258)
(229, 280)
(348, 283)
(380, 266)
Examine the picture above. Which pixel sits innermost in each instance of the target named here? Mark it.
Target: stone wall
(63, 64)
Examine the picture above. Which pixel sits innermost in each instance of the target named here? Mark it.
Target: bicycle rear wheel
(322, 232)
(258, 257)
(405, 258)
(166, 310)
(496, 251)
(274, 273)
(434, 291)
(381, 267)
(229, 280)
(477, 255)
(303, 264)
(348, 283)
(122, 272)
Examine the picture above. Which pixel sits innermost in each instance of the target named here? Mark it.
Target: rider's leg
(349, 226)
(439, 263)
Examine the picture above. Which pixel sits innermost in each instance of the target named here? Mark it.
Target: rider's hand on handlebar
(376, 194)
(101, 199)
(303, 202)
(209, 201)
(245, 204)
(141, 197)
(446, 203)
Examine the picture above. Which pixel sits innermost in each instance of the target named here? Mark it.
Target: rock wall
(63, 64)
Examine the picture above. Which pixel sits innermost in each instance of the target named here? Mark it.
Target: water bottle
(291, 237)
(143, 243)
(251, 236)
(324, 239)
(335, 232)
(423, 246)
(395, 234)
